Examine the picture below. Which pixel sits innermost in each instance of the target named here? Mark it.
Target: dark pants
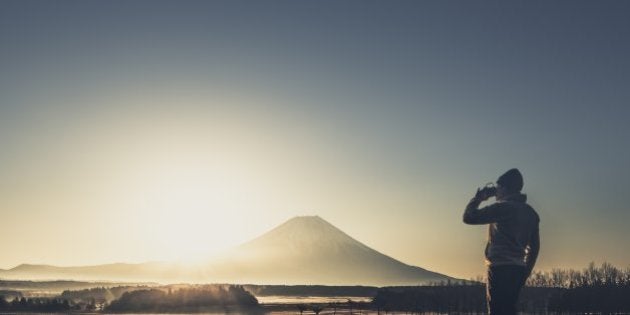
(504, 285)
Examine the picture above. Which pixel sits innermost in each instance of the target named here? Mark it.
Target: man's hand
(482, 194)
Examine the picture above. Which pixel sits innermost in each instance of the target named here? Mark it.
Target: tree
(317, 309)
(301, 308)
(350, 304)
(334, 306)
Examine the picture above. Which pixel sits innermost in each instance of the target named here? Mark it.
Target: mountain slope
(303, 250)
(309, 250)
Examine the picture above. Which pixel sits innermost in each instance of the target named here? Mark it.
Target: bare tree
(317, 309)
(301, 308)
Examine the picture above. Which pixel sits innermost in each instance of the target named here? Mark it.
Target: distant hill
(109, 272)
(303, 250)
(57, 286)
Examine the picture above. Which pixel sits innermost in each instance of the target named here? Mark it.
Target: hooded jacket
(511, 225)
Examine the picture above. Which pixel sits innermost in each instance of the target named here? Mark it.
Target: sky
(137, 131)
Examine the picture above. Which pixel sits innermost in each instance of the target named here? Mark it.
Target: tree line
(194, 299)
(139, 299)
(593, 289)
(591, 276)
(603, 289)
(34, 305)
(104, 294)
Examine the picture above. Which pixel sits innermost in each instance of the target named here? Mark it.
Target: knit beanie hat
(512, 181)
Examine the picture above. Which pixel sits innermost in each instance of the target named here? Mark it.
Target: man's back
(510, 233)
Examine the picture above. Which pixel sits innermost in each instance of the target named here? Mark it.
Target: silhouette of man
(513, 240)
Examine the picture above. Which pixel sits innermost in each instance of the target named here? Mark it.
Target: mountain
(303, 250)
(309, 250)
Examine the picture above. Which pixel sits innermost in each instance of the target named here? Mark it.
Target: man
(513, 240)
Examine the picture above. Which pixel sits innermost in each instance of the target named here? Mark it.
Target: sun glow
(186, 208)
(177, 188)
(168, 184)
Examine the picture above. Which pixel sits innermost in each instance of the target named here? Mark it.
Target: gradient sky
(146, 130)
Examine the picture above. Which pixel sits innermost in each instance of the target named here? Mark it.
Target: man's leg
(502, 289)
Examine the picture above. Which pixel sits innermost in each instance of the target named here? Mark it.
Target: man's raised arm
(485, 215)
